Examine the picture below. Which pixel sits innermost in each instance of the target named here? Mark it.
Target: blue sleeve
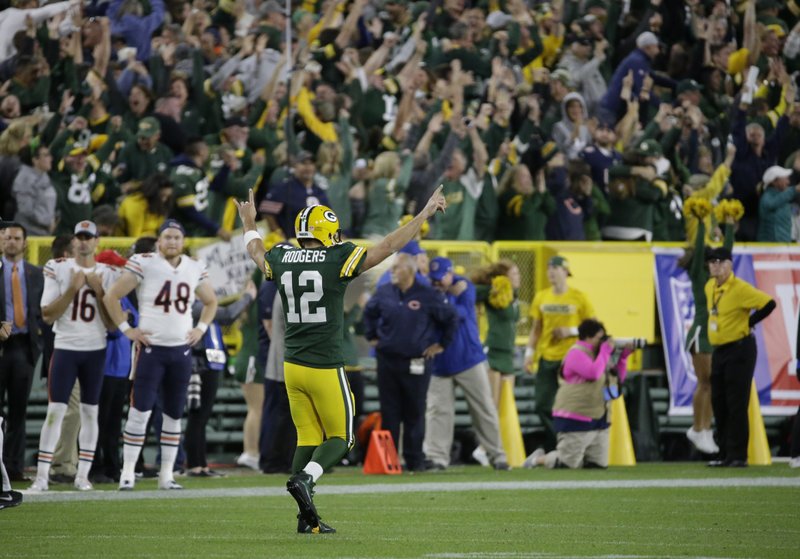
(738, 132)
(155, 18)
(444, 314)
(266, 298)
(777, 136)
(220, 179)
(465, 303)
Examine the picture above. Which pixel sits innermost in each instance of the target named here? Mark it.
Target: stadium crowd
(565, 120)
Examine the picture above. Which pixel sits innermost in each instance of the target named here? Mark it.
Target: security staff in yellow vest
(731, 302)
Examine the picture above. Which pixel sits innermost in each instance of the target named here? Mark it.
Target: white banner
(229, 265)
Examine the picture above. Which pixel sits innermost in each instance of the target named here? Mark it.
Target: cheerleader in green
(496, 287)
(697, 344)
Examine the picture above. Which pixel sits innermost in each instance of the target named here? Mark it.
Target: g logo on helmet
(330, 216)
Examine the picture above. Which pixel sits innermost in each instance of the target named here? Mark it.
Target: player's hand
(528, 365)
(94, 282)
(247, 211)
(77, 280)
(138, 336)
(194, 336)
(432, 351)
(436, 203)
(5, 331)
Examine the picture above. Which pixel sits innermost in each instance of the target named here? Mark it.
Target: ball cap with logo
(85, 228)
(559, 262)
(439, 268)
(719, 253)
(171, 224)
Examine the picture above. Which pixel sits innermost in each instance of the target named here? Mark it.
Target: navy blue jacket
(405, 324)
(285, 200)
(466, 351)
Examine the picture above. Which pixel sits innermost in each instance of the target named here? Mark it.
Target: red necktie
(16, 293)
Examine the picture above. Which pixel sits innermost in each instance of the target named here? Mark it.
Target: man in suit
(20, 294)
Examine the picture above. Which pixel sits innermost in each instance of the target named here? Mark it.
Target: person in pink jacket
(590, 376)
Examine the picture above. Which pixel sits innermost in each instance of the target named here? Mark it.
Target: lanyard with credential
(715, 300)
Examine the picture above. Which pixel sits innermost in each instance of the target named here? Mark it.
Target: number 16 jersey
(165, 295)
(80, 327)
(312, 283)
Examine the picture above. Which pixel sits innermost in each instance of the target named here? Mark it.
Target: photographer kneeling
(589, 376)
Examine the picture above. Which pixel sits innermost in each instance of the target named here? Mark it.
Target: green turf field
(467, 512)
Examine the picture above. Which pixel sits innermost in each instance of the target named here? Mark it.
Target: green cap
(148, 127)
(559, 261)
(649, 148)
(688, 85)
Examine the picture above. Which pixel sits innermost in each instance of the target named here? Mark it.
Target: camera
(634, 343)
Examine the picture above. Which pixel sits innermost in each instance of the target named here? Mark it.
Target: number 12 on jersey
(312, 280)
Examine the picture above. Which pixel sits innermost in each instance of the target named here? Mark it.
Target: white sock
(87, 439)
(51, 431)
(5, 483)
(170, 439)
(133, 437)
(314, 470)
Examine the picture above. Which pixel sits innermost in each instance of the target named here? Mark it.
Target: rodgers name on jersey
(80, 328)
(312, 282)
(165, 295)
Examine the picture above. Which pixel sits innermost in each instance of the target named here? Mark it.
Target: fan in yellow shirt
(556, 312)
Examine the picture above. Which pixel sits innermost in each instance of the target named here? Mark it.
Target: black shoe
(62, 478)
(301, 487)
(10, 499)
(100, 478)
(736, 464)
(304, 528)
(431, 466)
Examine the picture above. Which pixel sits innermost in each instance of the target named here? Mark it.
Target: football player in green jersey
(311, 281)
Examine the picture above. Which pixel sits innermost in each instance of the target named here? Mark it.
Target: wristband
(528, 352)
(123, 326)
(573, 331)
(202, 326)
(249, 236)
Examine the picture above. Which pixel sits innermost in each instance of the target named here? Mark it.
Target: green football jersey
(312, 283)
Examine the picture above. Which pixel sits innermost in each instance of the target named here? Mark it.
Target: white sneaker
(248, 461)
(701, 442)
(480, 456)
(126, 484)
(169, 484)
(709, 436)
(83, 484)
(533, 460)
(39, 486)
(794, 462)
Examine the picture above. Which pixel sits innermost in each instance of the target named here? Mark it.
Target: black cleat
(304, 528)
(12, 498)
(301, 487)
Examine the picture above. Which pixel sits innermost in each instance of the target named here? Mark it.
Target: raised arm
(400, 237)
(252, 240)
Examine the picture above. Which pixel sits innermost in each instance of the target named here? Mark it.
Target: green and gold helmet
(318, 222)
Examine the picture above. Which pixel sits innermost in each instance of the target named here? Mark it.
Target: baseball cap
(649, 148)
(775, 172)
(561, 75)
(412, 248)
(4, 223)
(171, 224)
(270, 7)
(439, 267)
(688, 85)
(646, 39)
(559, 261)
(85, 228)
(148, 127)
(719, 253)
(301, 156)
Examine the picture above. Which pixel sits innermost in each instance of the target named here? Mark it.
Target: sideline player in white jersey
(166, 282)
(72, 301)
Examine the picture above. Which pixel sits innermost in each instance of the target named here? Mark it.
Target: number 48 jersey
(312, 283)
(165, 295)
(80, 328)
